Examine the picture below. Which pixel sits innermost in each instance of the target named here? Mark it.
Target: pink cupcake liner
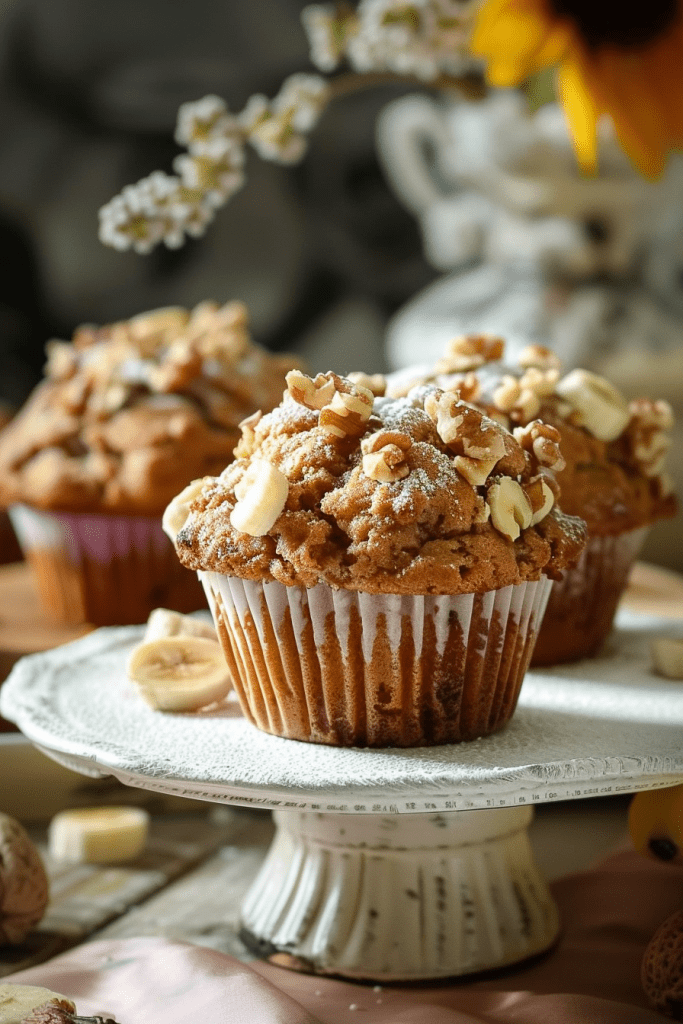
(103, 569)
(355, 669)
(582, 605)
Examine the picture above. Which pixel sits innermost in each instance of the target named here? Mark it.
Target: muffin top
(411, 495)
(614, 451)
(130, 412)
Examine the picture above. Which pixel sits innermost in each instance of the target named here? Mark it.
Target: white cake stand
(387, 864)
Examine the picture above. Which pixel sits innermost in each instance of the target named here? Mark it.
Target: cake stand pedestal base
(400, 897)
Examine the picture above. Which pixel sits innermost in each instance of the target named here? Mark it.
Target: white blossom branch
(423, 41)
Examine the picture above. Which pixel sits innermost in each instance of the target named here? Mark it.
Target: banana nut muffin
(614, 454)
(377, 567)
(127, 414)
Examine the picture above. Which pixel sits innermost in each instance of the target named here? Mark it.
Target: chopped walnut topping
(470, 351)
(157, 324)
(477, 441)
(245, 445)
(541, 382)
(666, 485)
(465, 430)
(384, 455)
(542, 441)
(62, 360)
(482, 512)
(314, 394)
(648, 434)
(468, 387)
(506, 394)
(521, 397)
(380, 438)
(475, 471)
(538, 356)
(349, 410)
(376, 382)
(386, 465)
(182, 364)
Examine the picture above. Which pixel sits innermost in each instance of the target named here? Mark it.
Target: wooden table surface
(201, 858)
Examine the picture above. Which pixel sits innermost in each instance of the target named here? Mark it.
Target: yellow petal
(487, 16)
(580, 109)
(495, 12)
(511, 69)
(554, 46)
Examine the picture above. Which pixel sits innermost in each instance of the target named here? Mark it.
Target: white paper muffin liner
(102, 568)
(355, 669)
(582, 605)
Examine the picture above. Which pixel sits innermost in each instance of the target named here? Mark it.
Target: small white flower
(275, 139)
(423, 38)
(302, 99)
(136, 218)
(217, 172)
(201, 122)
(198, 218)
(256, 110)
(325, 35)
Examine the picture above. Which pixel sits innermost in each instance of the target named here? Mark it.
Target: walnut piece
(465, 430)
(245, 445)
(469, 352)
(542, 441)
(376, 382)
(649, 434)
(539, 356)
(384, 457)
(520, 397)
(349, 410)
(314, 394)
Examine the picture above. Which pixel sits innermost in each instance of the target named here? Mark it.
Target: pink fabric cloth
(592, 976)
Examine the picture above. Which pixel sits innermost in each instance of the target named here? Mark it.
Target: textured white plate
(600, 726)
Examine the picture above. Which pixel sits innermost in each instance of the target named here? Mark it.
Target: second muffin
(126, 415)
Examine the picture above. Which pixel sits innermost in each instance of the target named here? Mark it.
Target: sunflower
(624, 60)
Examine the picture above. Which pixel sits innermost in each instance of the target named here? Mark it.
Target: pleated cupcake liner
(582, 605)
(103, 569)
(355, 669)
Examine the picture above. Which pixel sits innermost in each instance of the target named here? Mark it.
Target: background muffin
(377, 567)
(614, 454)
(126, 415)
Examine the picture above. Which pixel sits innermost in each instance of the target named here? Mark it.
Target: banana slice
(164, 622)
(98, 835)
(179, 673)
(18, 1001)
(601, 409)
(667, 657)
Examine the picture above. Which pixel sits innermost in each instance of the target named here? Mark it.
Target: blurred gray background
(323, 253)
